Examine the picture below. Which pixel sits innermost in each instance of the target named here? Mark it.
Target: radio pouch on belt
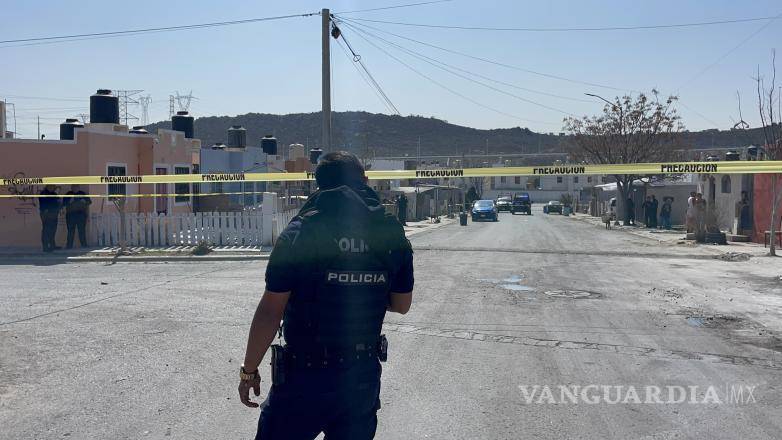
(278, 364)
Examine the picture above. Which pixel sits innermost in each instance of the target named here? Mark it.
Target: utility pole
(326, 77)
(39, 132)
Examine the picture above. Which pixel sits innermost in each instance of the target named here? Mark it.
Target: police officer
(49, 207)
(341, 263)
(76, 213)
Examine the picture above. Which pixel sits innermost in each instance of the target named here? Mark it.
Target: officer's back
(334, 272)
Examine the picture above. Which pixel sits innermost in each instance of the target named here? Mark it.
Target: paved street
(151, 350)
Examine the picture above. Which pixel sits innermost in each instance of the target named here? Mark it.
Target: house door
(161, 203)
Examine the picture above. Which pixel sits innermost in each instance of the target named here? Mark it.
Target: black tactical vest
(341, 300)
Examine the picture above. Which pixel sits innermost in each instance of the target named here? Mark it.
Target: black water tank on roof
(315, 155)
(68, 127)
(237, 136)
(184, 122)
(104, 108)
(269, 144)
(138, 129)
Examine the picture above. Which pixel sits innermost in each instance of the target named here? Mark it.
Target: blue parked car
(484, 210)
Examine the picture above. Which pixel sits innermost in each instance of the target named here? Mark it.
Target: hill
(390, 135)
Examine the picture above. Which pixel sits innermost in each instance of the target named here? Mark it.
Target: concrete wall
(680, 194)
(761, 205)
(725, 202)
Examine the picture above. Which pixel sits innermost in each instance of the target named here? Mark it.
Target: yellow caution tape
(119, 196)
(729, 167)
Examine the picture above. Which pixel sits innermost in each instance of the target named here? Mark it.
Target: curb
(130, 259)
(714, 250)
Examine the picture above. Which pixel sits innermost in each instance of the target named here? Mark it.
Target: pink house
(96, 150)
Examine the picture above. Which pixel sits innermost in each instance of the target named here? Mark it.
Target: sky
(275, 66)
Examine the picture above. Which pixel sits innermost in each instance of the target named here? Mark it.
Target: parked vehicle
(521, 203)
(484, 210)
(552, 207)
(504, 203)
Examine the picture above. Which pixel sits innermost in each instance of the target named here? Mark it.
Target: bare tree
(772, 136)
(630, 130)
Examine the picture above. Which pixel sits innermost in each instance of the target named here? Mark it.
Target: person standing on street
(653, 211)
(335, 271)
(76, 213)
(647, 207)
(49, 209)
(402, 209)
(665, 212)
(630, 208)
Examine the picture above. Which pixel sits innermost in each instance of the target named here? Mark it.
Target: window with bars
(181, 188)
(116, 189)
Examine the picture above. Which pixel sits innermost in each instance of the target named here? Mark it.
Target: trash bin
(566, 210)
(463, 218)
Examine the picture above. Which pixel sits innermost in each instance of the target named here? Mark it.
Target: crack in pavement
(596, 253)
(579, 345)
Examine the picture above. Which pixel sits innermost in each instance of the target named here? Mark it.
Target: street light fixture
(600, 97)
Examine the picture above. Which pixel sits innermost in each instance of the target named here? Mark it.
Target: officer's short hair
(338, 168)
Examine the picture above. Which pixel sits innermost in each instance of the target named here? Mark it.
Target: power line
(42, 98)
(157, 29)
(357, 59)
(717, 126)
(437, 63)
(420, 55)
(450, 90)
(363, 76)
(395, 7)
(486, 60)
(726, 54)
(572, 29)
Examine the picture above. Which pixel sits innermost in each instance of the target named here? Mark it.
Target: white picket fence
(281, 220)
(159, 230)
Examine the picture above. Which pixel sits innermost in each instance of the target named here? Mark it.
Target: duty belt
(321, 356)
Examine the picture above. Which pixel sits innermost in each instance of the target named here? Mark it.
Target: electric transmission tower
(144, 102)
(127, 98)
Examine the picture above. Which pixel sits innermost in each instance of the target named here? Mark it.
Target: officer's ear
(366, 179)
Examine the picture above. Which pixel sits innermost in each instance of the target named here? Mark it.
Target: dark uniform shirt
(298, 254)
(48, 203)
(283, 272)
